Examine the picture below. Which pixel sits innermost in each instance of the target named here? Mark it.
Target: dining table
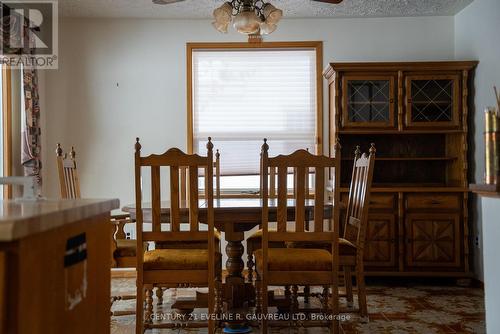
(234, 217)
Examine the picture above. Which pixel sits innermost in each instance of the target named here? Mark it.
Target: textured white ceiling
(292, 8)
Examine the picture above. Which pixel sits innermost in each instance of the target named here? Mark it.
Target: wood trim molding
(317, 45)
(399, 66)
(7, 127)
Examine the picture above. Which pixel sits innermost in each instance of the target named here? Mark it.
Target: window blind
(241, 97)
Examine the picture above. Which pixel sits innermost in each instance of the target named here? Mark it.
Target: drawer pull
(435, 202)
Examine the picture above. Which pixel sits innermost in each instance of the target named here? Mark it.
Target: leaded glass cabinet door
(368, 102)
(432, 101)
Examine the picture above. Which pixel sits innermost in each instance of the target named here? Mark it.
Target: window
(242, 94)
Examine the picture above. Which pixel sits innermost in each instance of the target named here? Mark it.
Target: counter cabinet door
(433, 240)
(380, 247)
(368, 101)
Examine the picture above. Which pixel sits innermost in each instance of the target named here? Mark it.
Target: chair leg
(149, 305)
(263, 293)
(295, 299)
(159, 295)
(258, 295)
(218, 296)
(360, 282)
(139, 309)
(212, 304)
(250, 262)
(307, 294)
(348, 286)
(324, 301)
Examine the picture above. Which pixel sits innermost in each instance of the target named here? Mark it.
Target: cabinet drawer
(433, 201)
(377, 200)
(382, 201)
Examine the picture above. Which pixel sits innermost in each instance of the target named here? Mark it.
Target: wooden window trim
(7, 127)
(316, 45)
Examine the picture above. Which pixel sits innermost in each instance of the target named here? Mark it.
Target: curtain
(31, 142)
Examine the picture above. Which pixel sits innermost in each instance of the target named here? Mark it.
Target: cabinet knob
(391, 100)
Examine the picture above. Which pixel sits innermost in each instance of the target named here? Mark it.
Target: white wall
(476, 37)
(119, 79)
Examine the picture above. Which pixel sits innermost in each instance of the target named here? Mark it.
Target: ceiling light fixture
(248, 17)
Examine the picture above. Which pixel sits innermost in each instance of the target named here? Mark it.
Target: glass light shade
(272, 14)
(223, 13)
(267, 28)
(247, 22)
(221, 26)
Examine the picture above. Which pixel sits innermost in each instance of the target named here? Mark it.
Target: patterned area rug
(393, 309)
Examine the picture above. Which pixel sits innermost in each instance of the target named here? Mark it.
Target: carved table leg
(235, 289)
(234, 263)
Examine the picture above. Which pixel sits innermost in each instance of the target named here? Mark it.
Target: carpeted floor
(394, 308)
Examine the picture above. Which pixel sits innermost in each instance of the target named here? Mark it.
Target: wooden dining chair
(352, 243)
(254, 241)
(176, 268)
(295, 266)
(123, 250)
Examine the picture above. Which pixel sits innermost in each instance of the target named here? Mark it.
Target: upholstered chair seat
(179, 259)
(295, 259)
(309, 258)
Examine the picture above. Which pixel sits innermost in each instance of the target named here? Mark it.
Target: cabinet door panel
(433, 240)
(432, 101)
(380, 247)
(368, 101)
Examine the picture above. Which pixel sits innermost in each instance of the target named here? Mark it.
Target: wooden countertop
(20, 219)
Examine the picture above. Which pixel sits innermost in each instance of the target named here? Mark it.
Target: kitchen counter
(55, 258)
(20, 219)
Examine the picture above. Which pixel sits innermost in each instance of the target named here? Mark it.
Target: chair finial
(357, 152)
(59, 150)
(265, 147)
(217, 154)
(72, 154)
(210, 145)
(337, 145)
(373, 150)
(137, 145)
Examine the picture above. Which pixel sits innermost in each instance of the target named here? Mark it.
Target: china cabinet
(417, 115)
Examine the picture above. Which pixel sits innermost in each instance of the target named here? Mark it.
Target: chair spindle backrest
(175, 159)
(272, 182)
(359, 197)
(301, 162)
(69, 182)
(184, 174)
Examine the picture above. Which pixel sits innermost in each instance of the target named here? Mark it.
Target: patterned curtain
(31, 142)
(16, 39)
